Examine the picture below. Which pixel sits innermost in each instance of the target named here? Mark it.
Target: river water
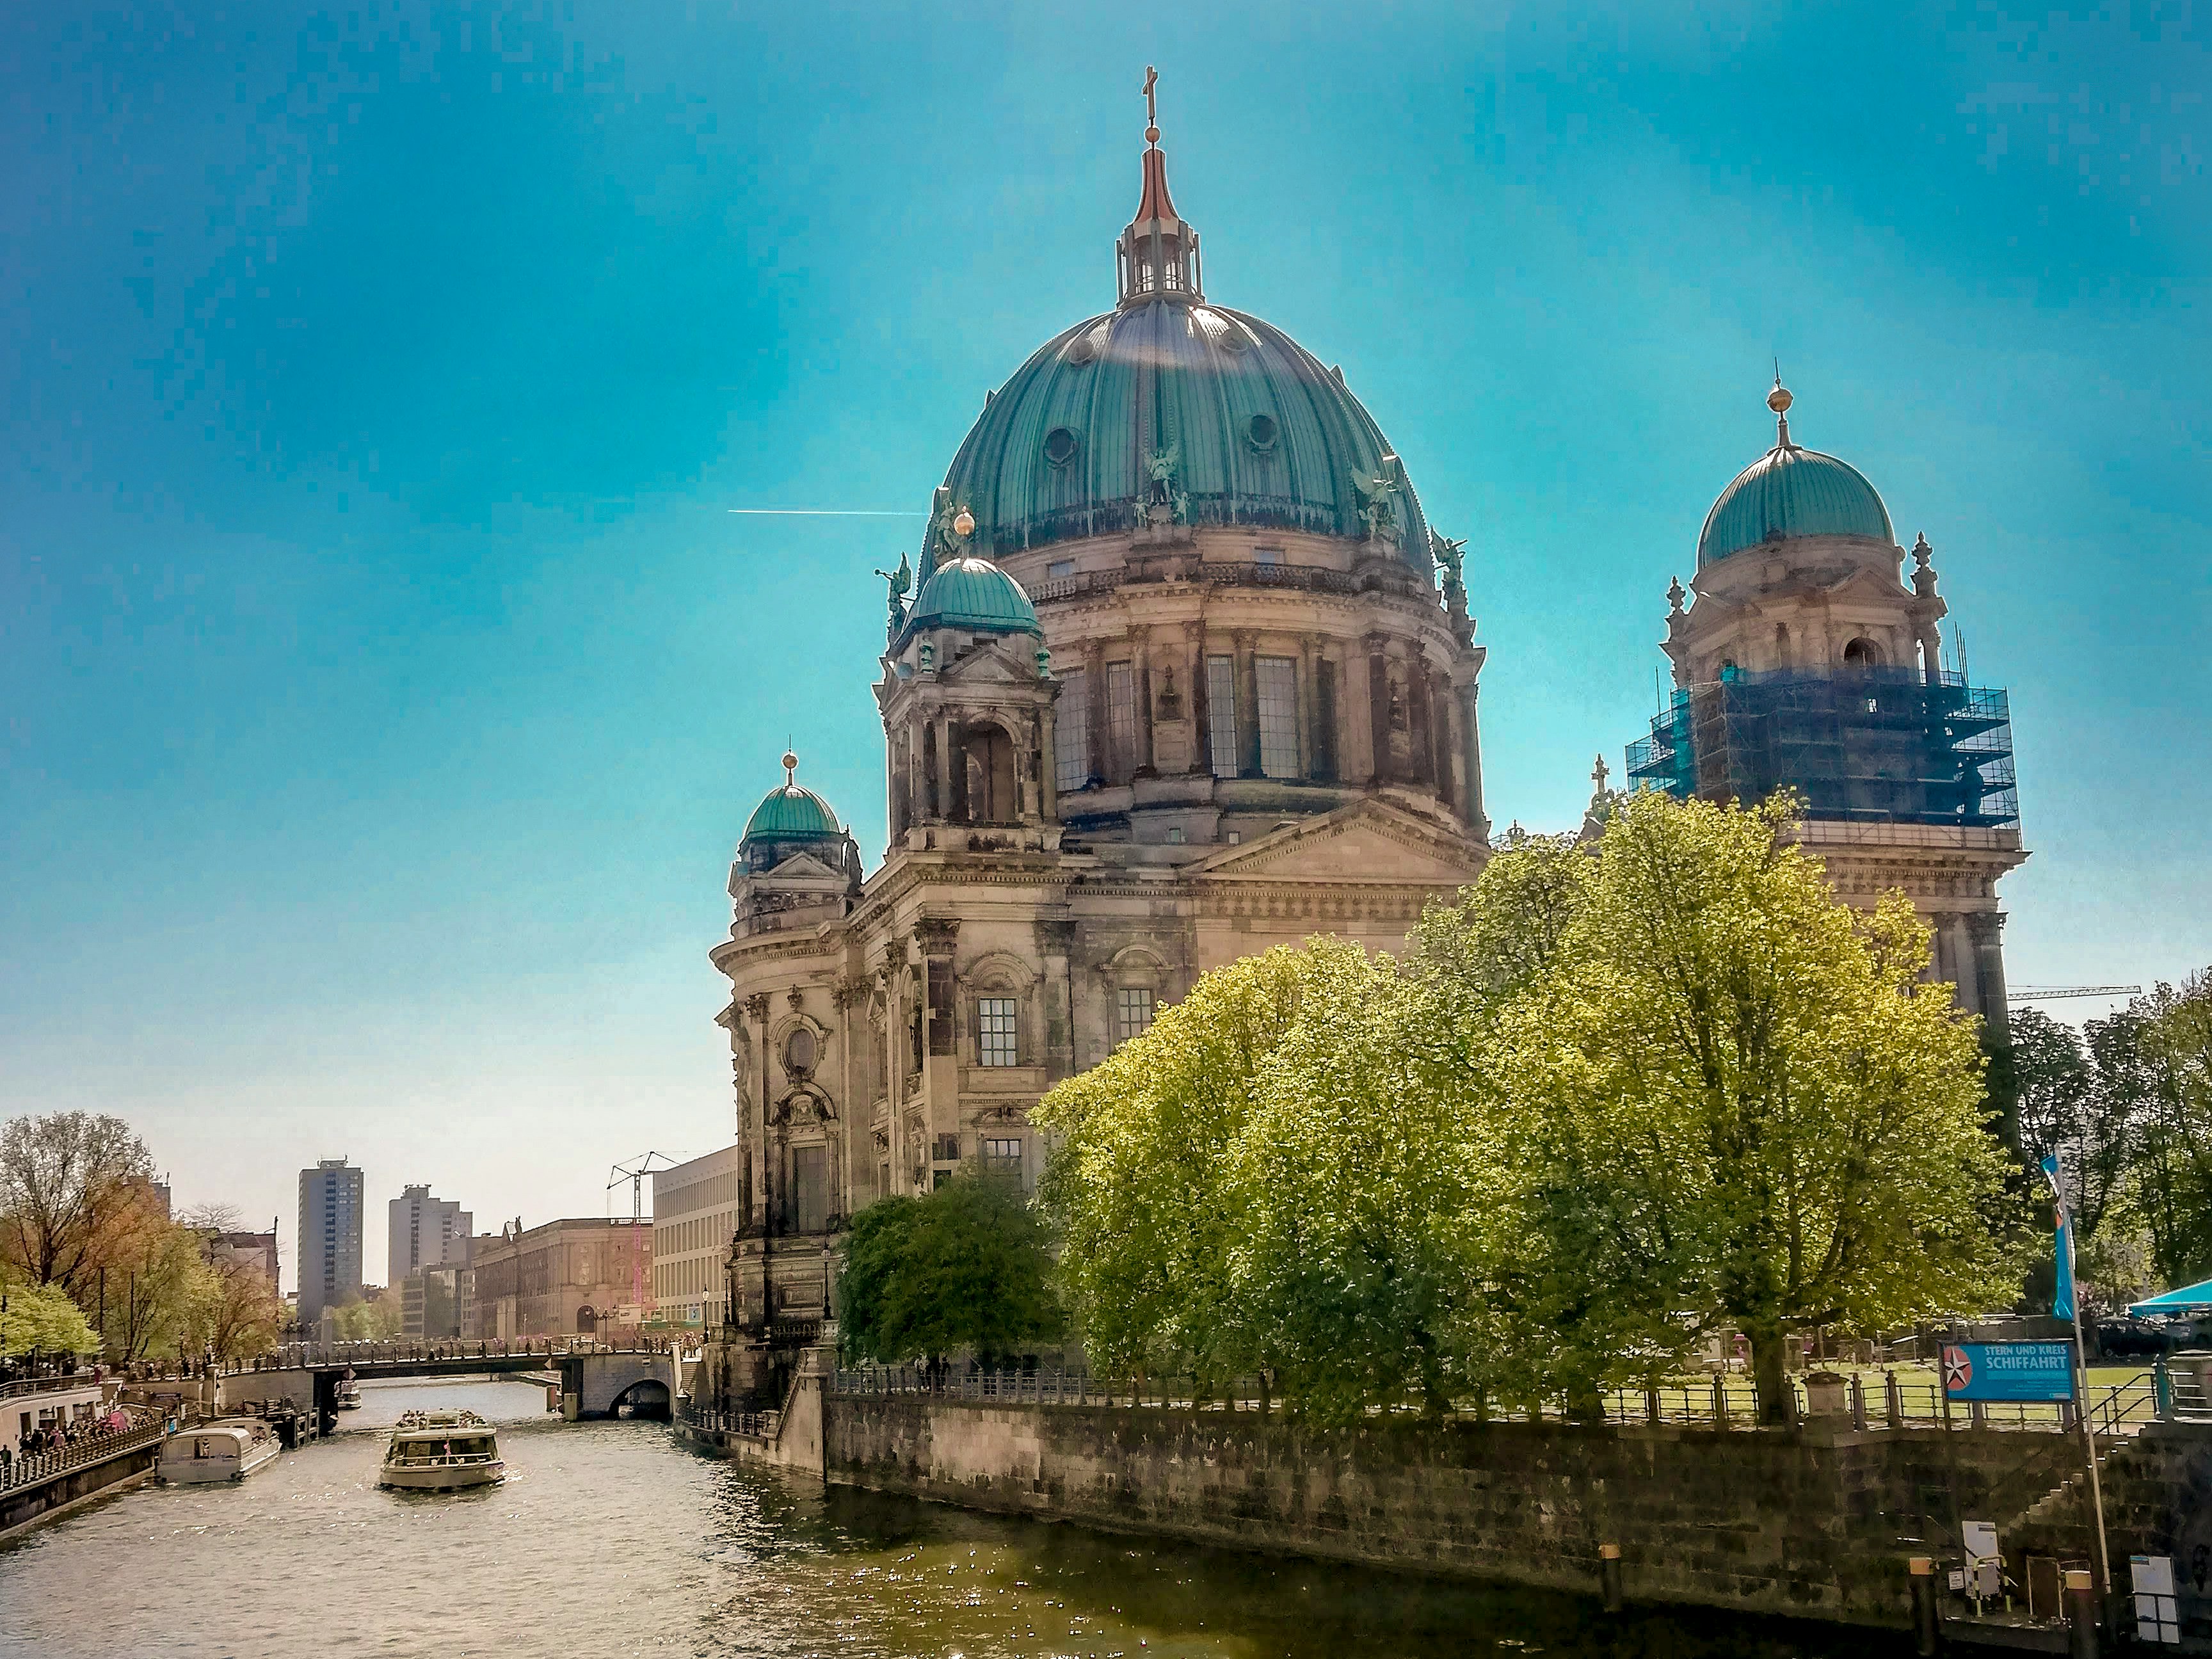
(608, 1540)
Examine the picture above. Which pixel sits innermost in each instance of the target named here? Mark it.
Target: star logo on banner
(1958, 1369)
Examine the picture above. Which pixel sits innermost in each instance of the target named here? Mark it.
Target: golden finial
(790, 769)
(1779, 400)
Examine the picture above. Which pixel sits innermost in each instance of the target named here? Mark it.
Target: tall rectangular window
(995, 1028)
(1279, 716)
(1002, 1158)
(1071, 736)
(809, 1189)
(1324, 737)
(1121, 715)
(1221, 714)
(1132, 1012)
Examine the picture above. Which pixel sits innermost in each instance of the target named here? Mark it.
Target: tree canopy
(962, 1267)
(1622, 1095)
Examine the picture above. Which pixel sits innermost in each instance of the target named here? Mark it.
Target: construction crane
(2057, 992)
(635, 1172)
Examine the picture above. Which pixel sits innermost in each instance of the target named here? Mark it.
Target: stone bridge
(592, 1383)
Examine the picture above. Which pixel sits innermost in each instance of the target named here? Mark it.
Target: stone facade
(559, 1279)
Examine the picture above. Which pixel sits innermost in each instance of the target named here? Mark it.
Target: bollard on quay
(1922, 1579)
(1609, 1576)
(2081, 1615)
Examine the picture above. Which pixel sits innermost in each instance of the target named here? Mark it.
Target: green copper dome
(792, 813)
(1789, 491)
(972, 594)
(1249, 427)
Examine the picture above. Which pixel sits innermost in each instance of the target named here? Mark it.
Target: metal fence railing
(1888, 1398)
(758, 1425)
(97, 1446)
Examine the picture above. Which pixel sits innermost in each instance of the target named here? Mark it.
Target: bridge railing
(758, 1425)
(96, 1447)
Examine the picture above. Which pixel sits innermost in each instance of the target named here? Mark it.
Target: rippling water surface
(608, 1540)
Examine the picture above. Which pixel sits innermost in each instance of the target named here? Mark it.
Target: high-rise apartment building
(330, 1201)
(426, 1233)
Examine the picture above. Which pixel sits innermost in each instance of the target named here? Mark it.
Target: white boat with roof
(228, 1450)
(441, 1451)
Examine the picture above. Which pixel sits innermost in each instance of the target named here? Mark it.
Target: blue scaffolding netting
(1868, 746)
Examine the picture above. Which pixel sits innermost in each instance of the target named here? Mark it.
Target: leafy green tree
(158, 1285)
(1136, 1181)
(378, 1318)
(964, 1267)
(2157, 1055)
(1733, 1104)
(41, 1318)
(1360, 1190)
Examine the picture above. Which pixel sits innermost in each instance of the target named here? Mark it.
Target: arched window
(1862, 653)
(1781, 646)
(989, 755)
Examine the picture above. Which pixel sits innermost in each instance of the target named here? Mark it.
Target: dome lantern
(1157, 257)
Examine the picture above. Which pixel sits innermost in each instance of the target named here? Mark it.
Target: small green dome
(1789, 491)
(791, 813)
(972, 594)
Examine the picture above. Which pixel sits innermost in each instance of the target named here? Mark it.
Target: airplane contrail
(827, 513)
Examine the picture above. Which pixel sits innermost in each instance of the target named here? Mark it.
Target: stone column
(1094, 673)
(1048, 763)
(756, 1108)
(1378, 709)
(1309, 745)
(1471, 735)
(1201, 704)
(1420, 751)
(1055, 942)
(1140, 682)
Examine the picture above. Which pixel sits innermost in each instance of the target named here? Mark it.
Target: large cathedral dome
(1256, 429)
(1169, 402)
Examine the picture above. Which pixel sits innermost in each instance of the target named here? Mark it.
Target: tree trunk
(1774, 1393)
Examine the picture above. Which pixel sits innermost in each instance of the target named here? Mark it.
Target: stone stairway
(2145, 1479)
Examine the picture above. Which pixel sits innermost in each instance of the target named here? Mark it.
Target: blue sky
(387, 682)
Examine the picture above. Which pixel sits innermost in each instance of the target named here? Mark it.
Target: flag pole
(2080, 1371)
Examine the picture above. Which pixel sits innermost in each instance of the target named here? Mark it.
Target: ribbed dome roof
(1259, 431)
(974, 593)
(1791, 491)
(791, 813)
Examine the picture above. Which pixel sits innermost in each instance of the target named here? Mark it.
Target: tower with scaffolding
(1803, 660)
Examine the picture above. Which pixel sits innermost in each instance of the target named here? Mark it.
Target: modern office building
(425, 1232)
(330, 1202)
(695, 1216)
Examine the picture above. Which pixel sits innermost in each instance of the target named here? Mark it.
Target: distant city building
(258, 1249)
(694, 1214)
(438, 1302)
(330, 1202)
(426, 1233)
(561, 1279)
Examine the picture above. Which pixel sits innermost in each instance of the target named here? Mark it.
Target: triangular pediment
(1368, 841)
(804, 866)
(988, 666)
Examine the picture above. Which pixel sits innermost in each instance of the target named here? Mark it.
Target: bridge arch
(647, 1399)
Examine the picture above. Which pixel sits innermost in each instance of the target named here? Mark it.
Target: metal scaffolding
(1868, 746)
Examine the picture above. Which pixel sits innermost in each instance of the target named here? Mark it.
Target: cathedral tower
(1803, 661)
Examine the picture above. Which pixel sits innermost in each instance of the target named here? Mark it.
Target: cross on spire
(1151, 108)
(1598, 773)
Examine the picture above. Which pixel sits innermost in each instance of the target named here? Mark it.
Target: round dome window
(1260, 433)
(1060, 446)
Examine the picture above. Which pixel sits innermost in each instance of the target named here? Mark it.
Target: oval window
(1060, 446)
(1261, 433)
(798, 1051)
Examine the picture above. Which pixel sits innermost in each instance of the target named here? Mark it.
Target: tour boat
(441, 1451)
(349, 1395)
(229, 1449)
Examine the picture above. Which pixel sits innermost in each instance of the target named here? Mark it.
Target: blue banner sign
(2008, 1371)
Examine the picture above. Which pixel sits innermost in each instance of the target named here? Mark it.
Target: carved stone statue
(1451, 558)
(901, 583)
(1378, 499)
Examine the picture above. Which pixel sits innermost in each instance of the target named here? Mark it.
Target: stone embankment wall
(1813, 1523)
(26, 1506)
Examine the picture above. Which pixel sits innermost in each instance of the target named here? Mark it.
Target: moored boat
(441, 1451)
(229, 1449)
(349, 1394)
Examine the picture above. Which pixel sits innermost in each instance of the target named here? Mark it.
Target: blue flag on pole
(2062, 1296)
